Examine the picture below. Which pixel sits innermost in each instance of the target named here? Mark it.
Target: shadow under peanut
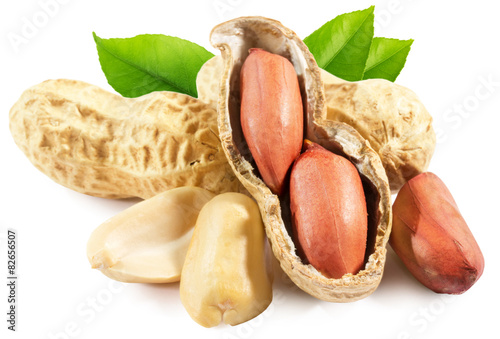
(397, 282)
(286, 293)
(161, 297)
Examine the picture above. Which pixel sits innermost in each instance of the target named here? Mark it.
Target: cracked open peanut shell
(234, 38)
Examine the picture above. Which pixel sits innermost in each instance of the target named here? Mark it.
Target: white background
(456, 51)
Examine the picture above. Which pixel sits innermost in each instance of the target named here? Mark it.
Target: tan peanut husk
(391, 117)
(234, 38)
(99, 143)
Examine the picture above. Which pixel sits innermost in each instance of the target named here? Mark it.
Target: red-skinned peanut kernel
(329, 212)
(431, 237)
(271, 115)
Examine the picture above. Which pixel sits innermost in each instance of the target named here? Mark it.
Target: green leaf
(146, 63)
(341, 46)
(387, 58)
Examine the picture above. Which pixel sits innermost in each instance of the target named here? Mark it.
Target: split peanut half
(147, 243)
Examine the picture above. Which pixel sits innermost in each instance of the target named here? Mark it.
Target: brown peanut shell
(101, 144)
(391, 117)
(208, 81)
(234, 38)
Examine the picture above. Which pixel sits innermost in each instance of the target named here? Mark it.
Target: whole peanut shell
(391, 117)
(432, 238)
(104, 145)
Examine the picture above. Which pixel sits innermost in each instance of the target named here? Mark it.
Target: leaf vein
(349, 39)
(143, 70)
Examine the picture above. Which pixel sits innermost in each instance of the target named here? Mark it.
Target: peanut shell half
(234, 38)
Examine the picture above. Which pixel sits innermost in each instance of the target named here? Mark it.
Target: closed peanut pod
(432, 238)
(148, 242)
(391, 117)
(104, 145)
(208, 79)
(235, 38)
(227, 275)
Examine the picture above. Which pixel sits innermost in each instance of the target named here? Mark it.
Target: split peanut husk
(234, 38)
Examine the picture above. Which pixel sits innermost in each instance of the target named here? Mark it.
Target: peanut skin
(329, 213)
(432, 239)
(271, 115)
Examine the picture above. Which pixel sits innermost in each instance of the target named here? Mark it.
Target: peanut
(234, 38)
(148, 242)
(432, 239)
(391, 117)
(329, 215)
(226, 275)
(271, 114)
(101, 144)
(207, 81)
